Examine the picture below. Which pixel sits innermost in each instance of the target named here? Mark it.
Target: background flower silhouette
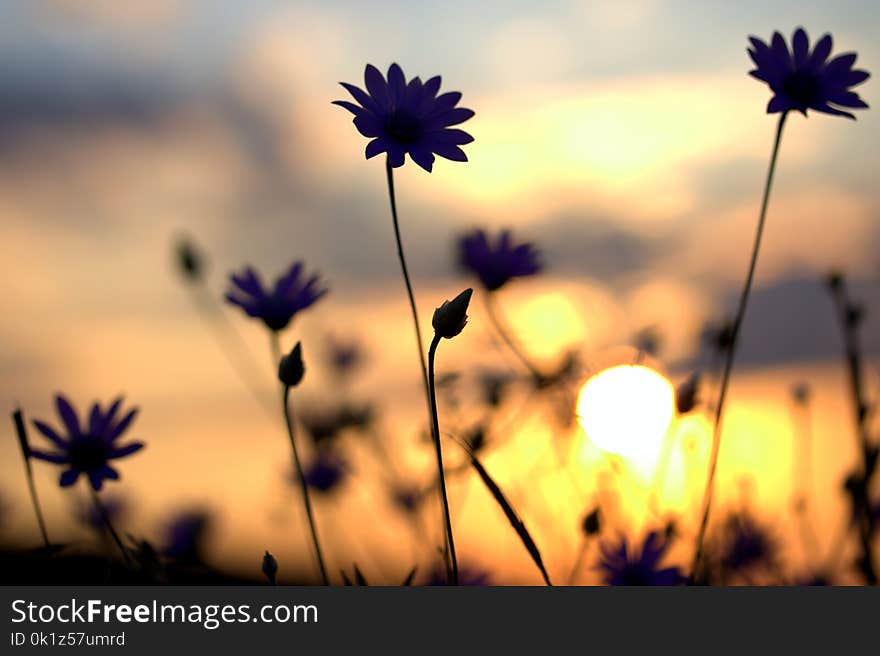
(275, 307)
(495, 264)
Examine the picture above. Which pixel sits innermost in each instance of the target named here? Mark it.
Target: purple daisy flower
(277, 307)
(88, 448)
(325, 473)
(185, 535)
(497, 263)
(802, 79)
(403, 117)
(623, 566)
(747, 544)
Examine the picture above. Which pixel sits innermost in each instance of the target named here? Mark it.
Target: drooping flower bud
(451, 317)
(291, 368)
(686, 394)
(270, 567)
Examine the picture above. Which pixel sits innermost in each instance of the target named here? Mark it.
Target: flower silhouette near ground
(87, 449)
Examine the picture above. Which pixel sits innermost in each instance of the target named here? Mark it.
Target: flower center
(87, 453)
(802, 87)
(403, 127)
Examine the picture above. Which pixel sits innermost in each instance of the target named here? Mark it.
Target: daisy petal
(68, 416)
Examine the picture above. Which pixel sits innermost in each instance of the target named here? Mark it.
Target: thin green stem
(105, 517)
(731, 352)
(507, 338)
(412, 301)
(303, 485)
(21, 431)
(435, 423)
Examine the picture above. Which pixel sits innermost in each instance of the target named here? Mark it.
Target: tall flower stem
(275, 348)
(452, 563)
(105, 517)
(850, 319)
(21, 431)
(731, 351)
(303, 485)
(507, 338)
(389, 171)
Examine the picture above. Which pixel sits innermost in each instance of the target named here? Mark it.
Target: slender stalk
(389, 171)
(18, 419)
(435, 423)
(507, 338)
(275, 347)
(731, 352)
(303, 486)
(109, 524)
(865, 522)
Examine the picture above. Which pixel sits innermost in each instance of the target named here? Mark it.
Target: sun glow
(626, 410)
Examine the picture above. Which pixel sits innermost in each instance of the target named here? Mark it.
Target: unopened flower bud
(686, 394)
(291, 368)
(834, 280)
(270, 567)
(591, 524)
(801, 393)
(190, 262)
(451, 317)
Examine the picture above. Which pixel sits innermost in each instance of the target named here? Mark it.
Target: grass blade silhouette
(512, 517)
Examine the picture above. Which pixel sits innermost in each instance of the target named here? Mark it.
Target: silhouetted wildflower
(116, 507)
(648, 341)
(623, 566)
(407, 498)
(496, 263)
(451, 317)
(802, 80)
(276, 307)
(291, 369)
(344, 356)
(270, 567)
(185, 536)
(324, 424)
(466, 576)
(87, 449)
(800, 392)
(493, 385)
(403, 117)
(746, 544)
(686, 394)
(718, 337)
(325, 473)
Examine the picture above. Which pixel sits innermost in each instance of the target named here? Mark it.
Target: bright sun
(626, 410)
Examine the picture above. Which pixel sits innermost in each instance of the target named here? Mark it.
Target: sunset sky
(624, 138)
